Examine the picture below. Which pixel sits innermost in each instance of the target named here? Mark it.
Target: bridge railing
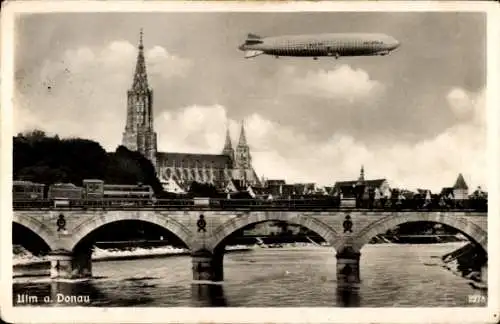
(477, 205)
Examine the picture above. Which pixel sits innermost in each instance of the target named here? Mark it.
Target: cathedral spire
(141, 35)
(140, 75)
(243, 139)
(228, 145)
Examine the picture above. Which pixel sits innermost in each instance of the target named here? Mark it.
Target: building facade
(232, 164)
(350, 189)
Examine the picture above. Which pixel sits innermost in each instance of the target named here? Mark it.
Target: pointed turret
(140, 76)
(362, 174)
(243, 139)
(228, 146)
(460, 189)
(460, 183)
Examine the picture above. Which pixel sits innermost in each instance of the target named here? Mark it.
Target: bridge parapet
(201, 228)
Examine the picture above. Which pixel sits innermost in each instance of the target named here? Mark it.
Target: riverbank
(469, 262)
(26, 264)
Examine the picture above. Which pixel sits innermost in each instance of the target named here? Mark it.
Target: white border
(489, 314)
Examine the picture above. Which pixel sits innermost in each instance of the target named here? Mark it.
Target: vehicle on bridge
(97, 189)
(64, 194)
(97, 194)
(92, 192)
(27, 190)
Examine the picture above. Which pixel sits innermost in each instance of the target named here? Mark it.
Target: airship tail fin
(253, 36)
(249, 54)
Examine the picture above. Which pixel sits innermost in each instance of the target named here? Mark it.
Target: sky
(415, 117)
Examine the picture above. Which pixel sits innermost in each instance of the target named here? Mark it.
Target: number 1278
(476, 299)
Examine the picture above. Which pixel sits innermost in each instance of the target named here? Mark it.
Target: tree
(128, 167)
(40, 158)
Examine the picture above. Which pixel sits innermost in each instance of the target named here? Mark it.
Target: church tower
(228, 146)
(243, 160)
(242, 166)
(139, 134)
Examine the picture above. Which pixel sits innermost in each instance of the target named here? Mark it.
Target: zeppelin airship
(317, 45)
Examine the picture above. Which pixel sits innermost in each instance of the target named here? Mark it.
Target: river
(392, 275)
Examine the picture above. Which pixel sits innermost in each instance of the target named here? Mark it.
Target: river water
(391, 276)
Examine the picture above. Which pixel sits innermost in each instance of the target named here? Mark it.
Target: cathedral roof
(218, 160)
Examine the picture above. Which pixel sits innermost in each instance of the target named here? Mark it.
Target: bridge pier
(207, 265)
(67, 265)
(348, 269)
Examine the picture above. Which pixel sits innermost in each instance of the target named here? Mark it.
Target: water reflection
(348, 297)
(63, 293)
(208, 295)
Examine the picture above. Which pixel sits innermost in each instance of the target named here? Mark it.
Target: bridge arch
(471, 230)
(37, 227)
(228, 228)
(169, 224)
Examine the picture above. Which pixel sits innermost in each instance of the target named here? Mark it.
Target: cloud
(280, 151)
(164, 64)
(466, 105)
(199, 129)
(84, 89)
(342, 83)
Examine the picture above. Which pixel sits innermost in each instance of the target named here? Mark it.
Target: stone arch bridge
(205, 232)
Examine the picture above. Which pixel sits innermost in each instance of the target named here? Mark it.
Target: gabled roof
(287, 190)
(259, 190)
(447, 191)
(274, 190)
(171, 185)
(310, 187)
(236, 185)
(460, 183)
(347, 191)
(368, 183)
(271, 182)
(299, 188)
(479, 193)
(281, 190)
(407, 194)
